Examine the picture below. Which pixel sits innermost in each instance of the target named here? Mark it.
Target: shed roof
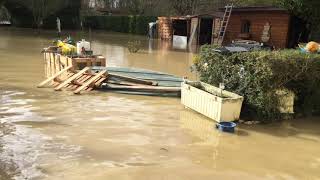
(213, 15)
(257, 9)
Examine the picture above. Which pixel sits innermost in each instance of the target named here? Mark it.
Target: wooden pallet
(83, 80)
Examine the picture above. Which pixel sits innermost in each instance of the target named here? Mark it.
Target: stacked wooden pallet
(113, 79)
(84, 80)
(54, 62)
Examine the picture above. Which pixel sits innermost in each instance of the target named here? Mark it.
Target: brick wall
(279, 26)
(165, 28)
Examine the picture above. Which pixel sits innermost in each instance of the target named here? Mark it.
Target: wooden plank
(135, 80)
(80, 82)
(97, 84)
(54, 64)
(76, 82)
(55, 84)
(50, 74)
(45, 65)
(66, 76)
(90, 81)
(71, 79)
(73, 84)
(145, 88)
(53, 77)
(57, 81)
(69, 75)
(89, 88)
(48, 66)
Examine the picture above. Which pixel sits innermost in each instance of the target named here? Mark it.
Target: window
(245, 26)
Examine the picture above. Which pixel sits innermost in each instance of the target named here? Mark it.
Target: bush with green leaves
(134, 46)
(258, 75)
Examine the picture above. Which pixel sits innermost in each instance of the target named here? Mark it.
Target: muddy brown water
(56, 135)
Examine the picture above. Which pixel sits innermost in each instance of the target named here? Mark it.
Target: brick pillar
(165, 28)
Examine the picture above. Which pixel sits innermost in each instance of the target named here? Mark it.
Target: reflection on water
(23, 148)
(156, 55)
(200, 126)
(203, 128)
(55, 135)
(257, 150)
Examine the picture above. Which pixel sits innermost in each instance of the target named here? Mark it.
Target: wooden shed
(193, 30)
(275, 27)
(272, 26)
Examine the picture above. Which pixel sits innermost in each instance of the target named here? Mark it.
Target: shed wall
(165, 28)
(279, 21)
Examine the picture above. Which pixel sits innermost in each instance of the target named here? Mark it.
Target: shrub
(258, 75)
(134, 46)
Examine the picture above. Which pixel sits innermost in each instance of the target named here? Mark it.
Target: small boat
(140, 81)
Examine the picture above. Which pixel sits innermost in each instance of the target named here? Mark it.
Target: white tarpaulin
(180, 42)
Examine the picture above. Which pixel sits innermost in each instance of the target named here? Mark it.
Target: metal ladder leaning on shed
(224, 24)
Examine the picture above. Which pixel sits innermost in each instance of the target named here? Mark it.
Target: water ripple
(23, 150)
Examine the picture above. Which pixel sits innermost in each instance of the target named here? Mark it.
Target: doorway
(205, 33)
(180, 27)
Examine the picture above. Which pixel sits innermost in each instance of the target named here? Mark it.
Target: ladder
(224, 24)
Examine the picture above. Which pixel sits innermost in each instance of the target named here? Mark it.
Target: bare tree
(4, 14)
(41, 9)
(135, 7)
(185, 7)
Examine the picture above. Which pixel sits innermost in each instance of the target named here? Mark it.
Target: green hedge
(22, 17)
(258, 75)
(125, 24)
(67, 22)
(315, 33)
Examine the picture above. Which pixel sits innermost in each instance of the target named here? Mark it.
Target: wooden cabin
(275, 27)
(272, 26)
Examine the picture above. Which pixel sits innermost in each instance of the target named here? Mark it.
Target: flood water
(57, 135)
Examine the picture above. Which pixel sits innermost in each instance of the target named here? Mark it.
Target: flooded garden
(50, 135)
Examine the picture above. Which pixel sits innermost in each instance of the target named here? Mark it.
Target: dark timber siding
(279, 20)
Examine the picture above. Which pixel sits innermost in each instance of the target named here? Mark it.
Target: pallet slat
(90, 81)
(71, 79)
(53, 77)
(80, 82)
(97, 84)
